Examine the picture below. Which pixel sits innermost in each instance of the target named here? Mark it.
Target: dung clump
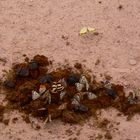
(62, 93)
(41, 60)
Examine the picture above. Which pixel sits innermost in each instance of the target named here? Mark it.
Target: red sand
(37, 26)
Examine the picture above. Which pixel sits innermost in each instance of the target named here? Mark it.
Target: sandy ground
(51, 27)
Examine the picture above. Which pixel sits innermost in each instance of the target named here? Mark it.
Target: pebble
(132, 62)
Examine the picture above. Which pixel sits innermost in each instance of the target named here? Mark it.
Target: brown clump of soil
(2, 108)
(14, 120)
(28, 76)
(41, 60)
(108, 135)
(104, 123)
(6, 121)
(78, 66)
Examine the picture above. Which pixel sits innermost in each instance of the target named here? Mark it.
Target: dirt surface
(52, 28)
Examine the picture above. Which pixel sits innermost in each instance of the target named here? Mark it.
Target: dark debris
(20, 97)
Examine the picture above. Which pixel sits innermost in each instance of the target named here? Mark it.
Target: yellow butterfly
(86, 30)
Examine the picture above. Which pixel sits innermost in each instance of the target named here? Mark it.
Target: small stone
(37, 127)
(120, 7)
(132, 62)
(65, 37)
(97, 62)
